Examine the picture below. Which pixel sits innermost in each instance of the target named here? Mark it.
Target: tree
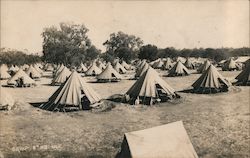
(119, 43)
(148, 52)
(68, 44)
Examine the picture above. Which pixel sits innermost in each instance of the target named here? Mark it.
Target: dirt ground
(217, 124)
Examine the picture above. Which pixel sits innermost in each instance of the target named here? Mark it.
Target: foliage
(123, 46)
(69, 44)
(15, 57)
(214, 54)
(148, 52)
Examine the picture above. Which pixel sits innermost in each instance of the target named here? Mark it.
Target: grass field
(217, 124)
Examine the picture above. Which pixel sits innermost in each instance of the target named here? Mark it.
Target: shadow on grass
(37, 104)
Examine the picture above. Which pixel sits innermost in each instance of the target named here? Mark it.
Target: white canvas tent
(150, 88)
(211, 81)
(109, 74)
(75, 93)
(21, 79)
(62, 76)
(33, 73)
(178, 70)
(165, 141)
(243, 79)
(4, 72)
(119, 68)
(93, 70)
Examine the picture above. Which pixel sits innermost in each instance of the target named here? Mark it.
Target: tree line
(16, 57)
(69, 44)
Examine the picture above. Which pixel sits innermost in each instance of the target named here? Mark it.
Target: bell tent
(243, 79)
(189, 64)
(211, 81)
(149, 89)
(74, 94)
(33, 73)
(4, 72)
(93, 70)
(119, 68)
(21, 79)
(178, 70)
(109, 74)
(61, 77)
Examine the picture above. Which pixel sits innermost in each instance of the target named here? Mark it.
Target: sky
(179, 24)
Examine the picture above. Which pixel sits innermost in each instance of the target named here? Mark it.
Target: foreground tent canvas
(33, 73)
(149, 89)
(211, 81)
(141, 69)
(74, 94)
(4, 72)
(231, 65)
(119, 68)
(165, 141)
(109, 75)
(21, 79)
(178, 70)
(243, 79)
(6, 100)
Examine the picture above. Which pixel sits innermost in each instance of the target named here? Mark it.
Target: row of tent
(167, 64)
(150, 88)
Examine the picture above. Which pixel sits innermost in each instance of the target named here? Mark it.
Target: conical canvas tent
(82, 68)
(243, 78)
(143, 68)
(48, 67)
(109, 74)
(21, 79)
(101, 66)
(93, 70)
(37, 67)
(61, 77)
(204, 66)
(178, 70)
(74, 94)
(165, 141)
(167, 65)
(189, 64)
(125, 65)
(119, 68)
(211, 81)
(158, 64)
(6, 100)
(230, 65)
(149, 89)
(33, 73)
(4, 72)
(14, 68)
